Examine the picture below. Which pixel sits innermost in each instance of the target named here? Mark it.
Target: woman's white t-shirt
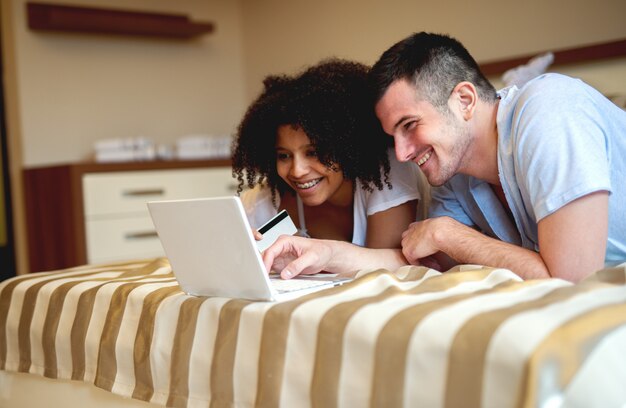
(406, 179)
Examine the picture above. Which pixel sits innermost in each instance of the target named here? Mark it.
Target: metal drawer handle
(141, 235)
(135, 193)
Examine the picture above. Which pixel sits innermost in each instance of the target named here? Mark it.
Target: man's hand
(419, 240)
(291, 256)
(572, 242)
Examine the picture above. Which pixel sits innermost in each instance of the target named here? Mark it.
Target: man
(528, 179)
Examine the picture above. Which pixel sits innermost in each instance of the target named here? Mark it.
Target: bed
(125, 335)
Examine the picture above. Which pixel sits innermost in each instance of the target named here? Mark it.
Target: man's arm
(291, 256)
(465, 245)
(572, 242)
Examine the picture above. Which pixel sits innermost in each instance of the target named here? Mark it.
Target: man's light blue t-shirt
(558, 140)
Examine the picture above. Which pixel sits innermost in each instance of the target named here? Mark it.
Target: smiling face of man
(436, 139)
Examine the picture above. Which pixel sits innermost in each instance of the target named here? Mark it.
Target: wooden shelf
(585, 53)
(56, 17)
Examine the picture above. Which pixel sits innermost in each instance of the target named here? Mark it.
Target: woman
(312, 145)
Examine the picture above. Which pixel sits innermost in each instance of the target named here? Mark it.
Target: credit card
(280, 224)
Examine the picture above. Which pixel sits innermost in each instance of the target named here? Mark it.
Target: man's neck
(483, 162)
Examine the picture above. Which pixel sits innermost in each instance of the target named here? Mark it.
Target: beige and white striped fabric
(470, 337)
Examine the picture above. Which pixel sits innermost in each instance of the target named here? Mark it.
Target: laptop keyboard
(290, 285)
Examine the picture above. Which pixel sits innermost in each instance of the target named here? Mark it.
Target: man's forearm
(468, 246)
(349, 258)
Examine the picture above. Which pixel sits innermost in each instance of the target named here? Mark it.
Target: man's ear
(464, 97)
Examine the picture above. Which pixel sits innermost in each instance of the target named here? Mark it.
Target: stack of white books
(124, 149)
(197, 147)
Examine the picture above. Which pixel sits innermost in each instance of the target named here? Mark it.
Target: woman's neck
(343, 197)
(333, 219)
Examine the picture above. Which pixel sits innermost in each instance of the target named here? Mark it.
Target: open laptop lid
(210, 247)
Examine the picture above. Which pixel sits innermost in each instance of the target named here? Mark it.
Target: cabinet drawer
(121, 239)
(127, 192)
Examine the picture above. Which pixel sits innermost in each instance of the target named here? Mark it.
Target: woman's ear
(464, 97)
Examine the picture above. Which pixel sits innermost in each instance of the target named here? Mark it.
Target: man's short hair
(435, 63)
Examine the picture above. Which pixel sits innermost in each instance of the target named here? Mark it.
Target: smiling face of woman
(297, 164)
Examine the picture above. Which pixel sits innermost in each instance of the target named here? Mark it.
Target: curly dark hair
(332, 103)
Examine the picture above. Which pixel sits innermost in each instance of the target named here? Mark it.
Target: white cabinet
(82, 213)
(117, 223)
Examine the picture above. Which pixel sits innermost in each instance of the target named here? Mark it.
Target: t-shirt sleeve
(444, 202)
(561, 151)
(404, 178)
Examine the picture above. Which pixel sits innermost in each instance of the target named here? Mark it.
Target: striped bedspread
(473, 336)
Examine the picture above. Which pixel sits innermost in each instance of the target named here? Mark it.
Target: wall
(65, 91)
(76, 88)
(284, 36)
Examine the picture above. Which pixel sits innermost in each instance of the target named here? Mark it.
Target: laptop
(212, 251)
